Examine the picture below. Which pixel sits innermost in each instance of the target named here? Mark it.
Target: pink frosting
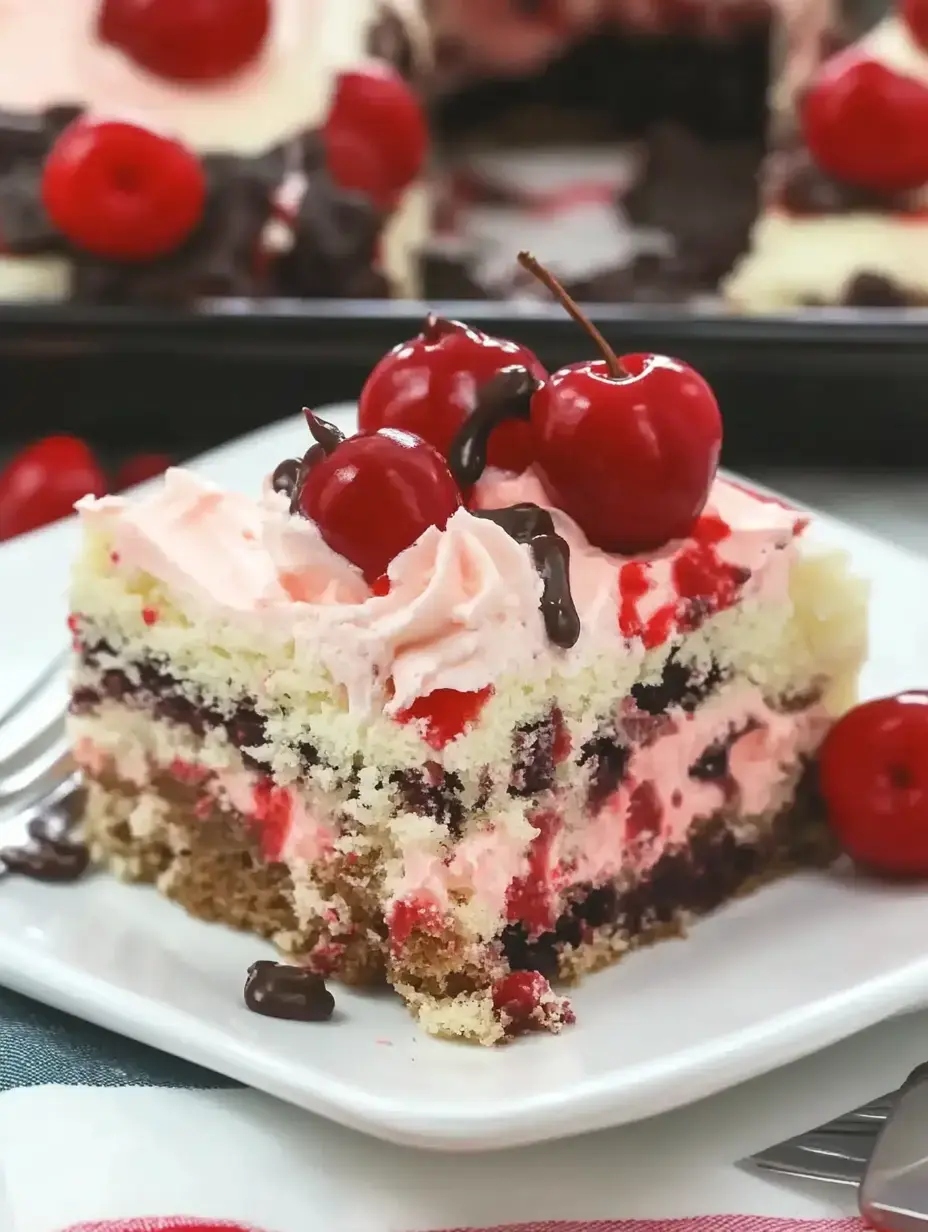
(463, 604)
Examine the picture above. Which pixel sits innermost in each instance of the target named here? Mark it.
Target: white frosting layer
(795, 260)
(463, 606)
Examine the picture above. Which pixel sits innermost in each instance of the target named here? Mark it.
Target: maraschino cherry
(376, 133)
(374, 494)
(866, 125)
(915, 15)
(430, 384)
(41, 484)
(197, 41)
(122, 192)
(627, 446)
(873, 773)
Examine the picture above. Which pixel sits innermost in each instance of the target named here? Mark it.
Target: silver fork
(38, 772)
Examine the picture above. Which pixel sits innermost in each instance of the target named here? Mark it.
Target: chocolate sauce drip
(551, 555)
(508, 395)
(279, 991)
(327, 438)
(325, 434)
(520, 522)
(533, 525)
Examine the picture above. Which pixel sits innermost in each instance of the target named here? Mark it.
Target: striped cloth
(99, 1134)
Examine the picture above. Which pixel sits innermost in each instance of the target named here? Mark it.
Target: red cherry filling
(873, 772)
(430, 384)
(41, 484)
(187, 40)
(524, 1001)
(915, 15)
(446, 713)
(628, 446)
(374, 494)
(866, 125)
(376, 134)
(122, 192)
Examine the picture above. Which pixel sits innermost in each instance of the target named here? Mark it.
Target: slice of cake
(844, 222)
(465, 748)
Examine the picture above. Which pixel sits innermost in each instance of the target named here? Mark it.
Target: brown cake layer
(212, 865)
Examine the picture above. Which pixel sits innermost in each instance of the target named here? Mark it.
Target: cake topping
(866, 124)
(873, 775)
(376, 133)
(286, 473)
(431, 384)
(505, 398)
(527, 523)
(373, 495)
(279, 991)
(195, 41)
(629, 446)
(121, 191)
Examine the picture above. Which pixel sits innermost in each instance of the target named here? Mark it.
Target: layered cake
(844, 217)
(476, 701)
(160, 152)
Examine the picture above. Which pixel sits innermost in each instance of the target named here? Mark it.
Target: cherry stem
(435, 328)
(326, 435)
(570, 306)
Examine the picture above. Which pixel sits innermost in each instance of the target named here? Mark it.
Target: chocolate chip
(608, 762)
(680, 685)
(869, 290)
(279, 991)
(712, 765)
(53, 860)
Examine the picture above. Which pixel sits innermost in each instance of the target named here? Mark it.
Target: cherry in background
(373, 495)
(915, 15)
(193, 41)
(429, 386)
(627, 446)
(121, 191)
(41, 484)
(865, 124)
(873, 774)
(376, 133)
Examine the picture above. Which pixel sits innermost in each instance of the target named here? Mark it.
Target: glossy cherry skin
(631, 460)
(375, 494)
(915, 15)
(41, 484)
(866, 125)
(376, 132)
(195, 41)
(429, 386)
(122, 192)
(873, 774)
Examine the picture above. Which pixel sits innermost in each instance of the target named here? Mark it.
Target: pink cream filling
(651, 814)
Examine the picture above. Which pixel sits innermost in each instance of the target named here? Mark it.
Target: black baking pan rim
(358, 331)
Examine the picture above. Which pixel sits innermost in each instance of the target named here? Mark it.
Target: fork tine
(38, 686)
(16, 769)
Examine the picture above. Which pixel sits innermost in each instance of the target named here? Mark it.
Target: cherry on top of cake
(864, 115)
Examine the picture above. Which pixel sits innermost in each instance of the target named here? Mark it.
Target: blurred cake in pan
(844, 216)
(154, 151)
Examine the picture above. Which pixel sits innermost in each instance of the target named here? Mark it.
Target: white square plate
(797, 966)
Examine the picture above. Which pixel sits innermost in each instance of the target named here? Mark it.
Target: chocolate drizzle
(551, 557)
(508, 395)
(285, 476)
(290, 474)
(279, 991)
